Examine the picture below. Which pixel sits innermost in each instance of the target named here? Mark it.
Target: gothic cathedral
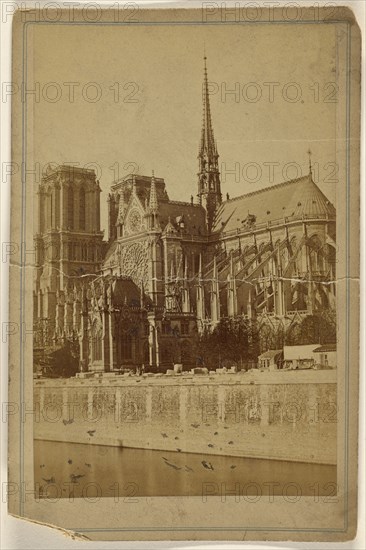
(171, 270)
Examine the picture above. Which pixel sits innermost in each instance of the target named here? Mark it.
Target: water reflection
(71, 470)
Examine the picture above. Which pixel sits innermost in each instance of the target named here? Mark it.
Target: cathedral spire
(207, 144)
(152, 212)
(209, 187)
(153, 202)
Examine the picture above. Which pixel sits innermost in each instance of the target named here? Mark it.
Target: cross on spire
(310, 167)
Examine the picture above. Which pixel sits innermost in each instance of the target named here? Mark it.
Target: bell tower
(68, 242)
(209, 186)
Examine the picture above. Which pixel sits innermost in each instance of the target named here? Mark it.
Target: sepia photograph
(187, 256)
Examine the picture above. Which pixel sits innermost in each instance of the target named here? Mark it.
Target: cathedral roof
(193, 216)
(292, 199)
(109, 255)
(143, 187)
(170, 228)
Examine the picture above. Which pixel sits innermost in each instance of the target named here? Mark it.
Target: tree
(64, 361)
(320, 328)
(271, 337)
(233, 341)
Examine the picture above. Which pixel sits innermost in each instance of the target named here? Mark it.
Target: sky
(153, 122)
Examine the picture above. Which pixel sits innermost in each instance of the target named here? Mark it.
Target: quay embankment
(288, 415)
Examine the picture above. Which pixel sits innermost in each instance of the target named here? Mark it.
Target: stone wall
(279, 415)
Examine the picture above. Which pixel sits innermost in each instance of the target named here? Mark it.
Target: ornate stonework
(134, 221)
(134, 262)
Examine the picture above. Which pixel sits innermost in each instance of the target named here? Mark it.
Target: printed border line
(22, 262)
(163, 529)
(183, 23)
(346, 386)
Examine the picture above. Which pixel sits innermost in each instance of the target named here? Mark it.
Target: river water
(71, 470)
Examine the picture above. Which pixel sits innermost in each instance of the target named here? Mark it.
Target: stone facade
(173, 269)
(68, 246)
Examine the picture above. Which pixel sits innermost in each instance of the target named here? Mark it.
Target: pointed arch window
(70, 208)
(166, 327)
(184, 327)
(82, 208)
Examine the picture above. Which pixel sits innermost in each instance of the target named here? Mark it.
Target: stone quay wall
(280, 415)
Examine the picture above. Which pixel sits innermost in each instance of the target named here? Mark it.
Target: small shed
(310, 356)
(326, 355)
(299, 356)
(271, 359)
